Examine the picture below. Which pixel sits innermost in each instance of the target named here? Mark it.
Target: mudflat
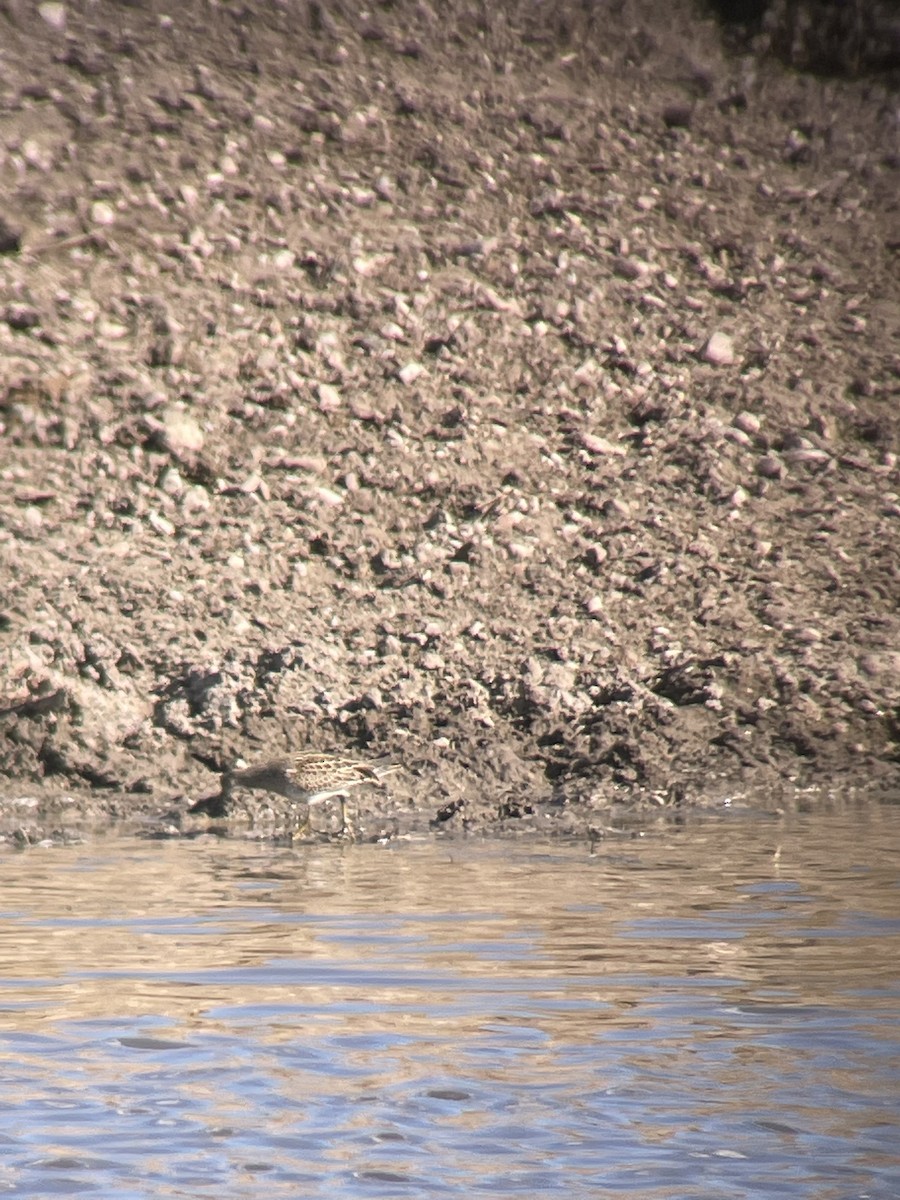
(511, 391)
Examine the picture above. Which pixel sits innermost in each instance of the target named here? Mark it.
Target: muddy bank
(518, 398)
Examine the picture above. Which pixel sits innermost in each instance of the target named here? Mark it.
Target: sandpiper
(307, 777)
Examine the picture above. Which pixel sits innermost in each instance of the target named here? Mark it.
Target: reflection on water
(714, 1011)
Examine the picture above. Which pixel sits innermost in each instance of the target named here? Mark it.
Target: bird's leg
(306, 825)
(251, 820)
(347, 831)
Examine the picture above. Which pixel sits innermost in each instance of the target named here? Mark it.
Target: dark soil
(512, 389)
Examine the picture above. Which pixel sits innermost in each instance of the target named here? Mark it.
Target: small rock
(196, 499)
(238, 623)
(112, 331)
(252, 484)
(599, 445)
(37, 155)
(748, 423)
(371, 265)
(770, 467)
(54, 15)
(102, 213)
(328, 496)
(719, 350)
(171, 482)
(182, 433)
(161, 525)
(631, 268)
(739, 437)
(410, 372)
(363, 411)
(808, 635)
(329, 397)
(490, 298)
(809, 455)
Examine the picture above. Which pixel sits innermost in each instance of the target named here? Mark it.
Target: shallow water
(705, 1012)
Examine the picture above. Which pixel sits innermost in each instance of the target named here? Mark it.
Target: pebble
(36, 155)
(112, 331)
(102, 213)
(748, 423)
(770, 467)
(182, 432)
(808, 454)
(329, 397)
(328, 496)
(808, 635)
(599, 445)
(171, 482)
(410, 372)
(631, 268)
(196, 499)
(719, 350)
(160, 524)
(739, 437)
(54, 15)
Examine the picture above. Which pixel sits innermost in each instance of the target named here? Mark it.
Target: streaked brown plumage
(307, 777)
